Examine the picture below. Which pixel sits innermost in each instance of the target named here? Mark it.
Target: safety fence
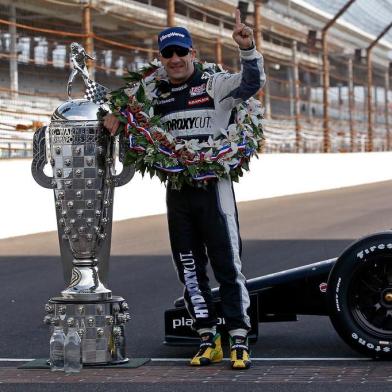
(292, 97)
(15, 144)
(302, 114)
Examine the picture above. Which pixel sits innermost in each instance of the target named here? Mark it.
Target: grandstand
(34, 62)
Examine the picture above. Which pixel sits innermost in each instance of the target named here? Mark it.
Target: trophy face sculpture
(82, 155)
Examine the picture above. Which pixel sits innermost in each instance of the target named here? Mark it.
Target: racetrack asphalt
(278, 234)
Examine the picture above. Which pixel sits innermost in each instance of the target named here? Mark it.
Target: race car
(354, 290)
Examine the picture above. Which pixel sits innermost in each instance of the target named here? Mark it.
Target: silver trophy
(82, 155)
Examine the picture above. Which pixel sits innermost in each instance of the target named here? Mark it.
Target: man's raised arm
(230, 89)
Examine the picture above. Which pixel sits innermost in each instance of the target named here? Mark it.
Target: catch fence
(292, 97)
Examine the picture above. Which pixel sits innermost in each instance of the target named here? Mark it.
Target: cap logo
(172, 34)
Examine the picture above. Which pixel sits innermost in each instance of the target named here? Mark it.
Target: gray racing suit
(203, 223)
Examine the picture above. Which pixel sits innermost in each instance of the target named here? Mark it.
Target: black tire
(360, 295)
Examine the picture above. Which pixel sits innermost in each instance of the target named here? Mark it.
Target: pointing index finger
(237, 17)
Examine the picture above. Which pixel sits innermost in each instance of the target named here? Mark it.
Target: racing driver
(203, 221)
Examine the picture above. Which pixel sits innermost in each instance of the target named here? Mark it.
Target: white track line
(16, 359)
(272, 359)
(227, 359)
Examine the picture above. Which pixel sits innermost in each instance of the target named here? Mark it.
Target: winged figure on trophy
(95, 92)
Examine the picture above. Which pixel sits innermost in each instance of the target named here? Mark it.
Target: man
(197, 104)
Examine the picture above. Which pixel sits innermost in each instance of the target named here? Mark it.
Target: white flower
(204, 145)
(145, 115)
(156, 62)
(150, 150)
(234, 149)
(131, 91)
(226, 167)
(206, 65)
(223, 131)
(149, 89)
(255, 120)
(151, 111)
(192, 145)
(149, 78)
(248, 127)
(241, 114)
(208, 155)
(169, 137)
(232, 161)
(254, 105)
(215, 143)
(229, 155)
(232, 132)
(210, 141)
(161, 73)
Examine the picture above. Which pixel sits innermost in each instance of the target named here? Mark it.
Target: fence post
(170, 13)
(150, 44)
(324, 43)
(351, 104)
(369, 146)
(290, 81)
(14, 53)
(258, 35)
(296, 97)
(386, 111)
(375, 106)
(326, 134)
(267, 97)
(309, 95)
(218, 50)
(370, 75)
(89, 40)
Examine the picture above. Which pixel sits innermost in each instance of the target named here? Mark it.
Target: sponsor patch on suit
(198, 101)
(197, 90)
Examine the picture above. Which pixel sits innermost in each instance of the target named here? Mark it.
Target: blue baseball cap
(178, 36)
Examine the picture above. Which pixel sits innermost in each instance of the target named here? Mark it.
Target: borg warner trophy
(82, 155)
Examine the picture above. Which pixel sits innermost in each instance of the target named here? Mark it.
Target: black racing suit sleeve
(229, 90)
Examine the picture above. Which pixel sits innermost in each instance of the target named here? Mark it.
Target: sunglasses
(168, 52)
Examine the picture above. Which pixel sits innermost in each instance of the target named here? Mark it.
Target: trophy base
(85, 297)
(85, 285)
(126, 360)
(100, 323)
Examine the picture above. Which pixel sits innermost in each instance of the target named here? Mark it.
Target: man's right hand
(111, 123)
(242, 34)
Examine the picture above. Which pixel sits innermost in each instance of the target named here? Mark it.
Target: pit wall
(26, 208)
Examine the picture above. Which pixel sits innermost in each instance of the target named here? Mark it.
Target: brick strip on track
(218, 373)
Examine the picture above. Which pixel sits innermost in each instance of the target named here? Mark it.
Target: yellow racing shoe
(239, 353)
(210, 350)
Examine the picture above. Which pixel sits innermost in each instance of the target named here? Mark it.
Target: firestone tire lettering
(371, 346)
(366, 339)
